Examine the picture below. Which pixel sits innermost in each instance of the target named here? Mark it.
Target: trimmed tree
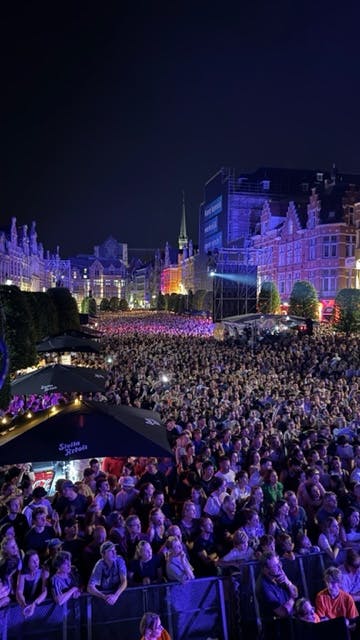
(161, 302)
(347, 311)
(114, 304)
(269, 298)
(123, 305)
(19, 333)
(105, 304)
(67, 310)
(304, 300)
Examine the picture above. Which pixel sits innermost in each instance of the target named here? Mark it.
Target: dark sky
(110, 109)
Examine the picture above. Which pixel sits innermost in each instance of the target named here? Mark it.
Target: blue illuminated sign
(213, 208)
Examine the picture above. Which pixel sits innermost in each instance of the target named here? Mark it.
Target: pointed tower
(183, 239)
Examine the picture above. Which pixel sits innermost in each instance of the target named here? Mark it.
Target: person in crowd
(16, 518)
(70, 503)
(178, 568)
(10, 563)
(334, 602)
(272, 489)
(205, 550)
(64, 584)
(350, 574)
(280, 521)
(240, 552)
(146, 567)
(127, 494)
(39, 499)
(104, 498)
(332, 540)
(216, 497)
(276, 593)
(127, 545)
(151, 627)
(305, 611)
(41, 531)
(304, 546)
(31, 588)
(108, 578)
(352, 528)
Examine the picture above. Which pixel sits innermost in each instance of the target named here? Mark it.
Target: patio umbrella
(61, 378)
(64, 343)
(85, 430)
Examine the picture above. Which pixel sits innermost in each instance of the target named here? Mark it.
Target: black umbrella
(85, 430)
(64, 343)
(61, 378)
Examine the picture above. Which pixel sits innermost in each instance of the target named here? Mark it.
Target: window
(350, 246)
(319, 177)
(329, 281)
(281, 255)
(297, 252)
(289, 253)
(282, 286)
(312, 248)
(329, 247)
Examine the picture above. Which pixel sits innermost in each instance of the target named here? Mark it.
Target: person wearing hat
(38, 500)
(127, 494)
(71, 503)
(109, 577)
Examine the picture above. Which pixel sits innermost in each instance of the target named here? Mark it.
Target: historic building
(102, 274)
(24, 263)
(317, 241)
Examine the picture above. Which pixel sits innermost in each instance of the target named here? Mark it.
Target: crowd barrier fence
(207, 608)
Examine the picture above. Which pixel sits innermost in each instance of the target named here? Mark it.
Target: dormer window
(265, 185)
(319, 177)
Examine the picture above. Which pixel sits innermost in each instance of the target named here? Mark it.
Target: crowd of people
(266, 465)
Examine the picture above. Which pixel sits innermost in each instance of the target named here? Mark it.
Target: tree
(19, 332)
(105, 304)
(160, 303)
(123, 305)
(114, 304)
(269, 298)
(67, 311)
(173, 302)
(304, 300)
(47, 315)
(347, 311)
(92, 307)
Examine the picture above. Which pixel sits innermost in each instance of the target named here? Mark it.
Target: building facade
(24, 263)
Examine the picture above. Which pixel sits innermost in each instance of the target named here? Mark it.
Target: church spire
(183, 239)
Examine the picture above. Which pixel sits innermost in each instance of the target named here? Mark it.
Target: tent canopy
(84, 430)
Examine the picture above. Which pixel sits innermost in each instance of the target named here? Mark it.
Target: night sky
(109, 110)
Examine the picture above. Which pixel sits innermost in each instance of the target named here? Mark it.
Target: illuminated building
(102, 274)
(24, 263)
(295, 225)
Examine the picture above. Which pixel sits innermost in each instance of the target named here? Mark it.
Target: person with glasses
(151, 627)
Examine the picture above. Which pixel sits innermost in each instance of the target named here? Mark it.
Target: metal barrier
(195, 610)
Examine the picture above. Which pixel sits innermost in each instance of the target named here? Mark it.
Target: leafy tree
(304, 300)
(347, 311)
(114, 304)
(167, 301)
(105, 304)
(123, 305)
(19, 332)
(47, 315)
(173, 302)
(190, 300)
(67, 311)
(161, 302)
(92, 307)
(85, 305)
(269, 298)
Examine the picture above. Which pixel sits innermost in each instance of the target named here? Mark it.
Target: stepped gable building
(24, 263)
